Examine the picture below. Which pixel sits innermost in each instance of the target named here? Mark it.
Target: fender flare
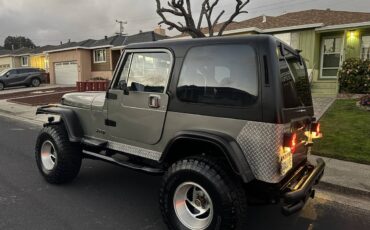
(224, 142)
(68, 117)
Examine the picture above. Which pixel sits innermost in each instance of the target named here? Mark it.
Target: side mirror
(7, 74)
(122, 85)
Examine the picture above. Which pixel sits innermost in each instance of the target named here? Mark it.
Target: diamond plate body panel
(137, 151)
(261, 144)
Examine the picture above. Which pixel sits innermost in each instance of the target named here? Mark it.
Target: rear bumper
(300, 187)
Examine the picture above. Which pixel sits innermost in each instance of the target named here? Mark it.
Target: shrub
(365, 101)
(354, 77)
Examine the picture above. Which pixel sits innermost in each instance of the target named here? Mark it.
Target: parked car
(222, 119)
(22, 76)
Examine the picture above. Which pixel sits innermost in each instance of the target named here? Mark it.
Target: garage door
(66, 73)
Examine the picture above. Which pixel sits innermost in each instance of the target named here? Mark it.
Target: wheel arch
(31, 77)
(224, 144)
(69, 119)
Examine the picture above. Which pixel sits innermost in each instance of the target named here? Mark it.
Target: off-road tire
(35, 82)
(227, 195)
(68, 155)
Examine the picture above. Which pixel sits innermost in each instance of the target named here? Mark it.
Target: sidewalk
(26, 89)
(345, 176)
(341, 176)
(21, 112)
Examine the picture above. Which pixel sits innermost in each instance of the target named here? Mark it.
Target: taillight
(290, 141)
(315, 130)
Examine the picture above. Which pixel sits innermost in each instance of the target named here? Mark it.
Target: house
(326, 38)
(14, 58)
(39, 58)
(91, 59)
(6, 61)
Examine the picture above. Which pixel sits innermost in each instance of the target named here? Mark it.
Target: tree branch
(178, 10)
(238, 10)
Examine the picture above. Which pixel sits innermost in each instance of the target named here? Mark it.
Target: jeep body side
(235, 106)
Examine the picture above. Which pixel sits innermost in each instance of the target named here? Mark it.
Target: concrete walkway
(321, 105)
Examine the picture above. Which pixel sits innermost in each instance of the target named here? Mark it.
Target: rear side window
(295, 83)
(220, 75)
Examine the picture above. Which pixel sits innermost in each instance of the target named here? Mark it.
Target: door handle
(154, 101)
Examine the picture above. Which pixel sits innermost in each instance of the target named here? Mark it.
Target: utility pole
(121, 28)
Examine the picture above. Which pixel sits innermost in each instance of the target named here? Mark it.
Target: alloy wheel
(48, 155)
(193, 206)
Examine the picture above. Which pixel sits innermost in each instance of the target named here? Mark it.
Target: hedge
(354, 77)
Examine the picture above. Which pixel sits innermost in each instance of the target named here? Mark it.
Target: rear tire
(35, 82)
(58, 160)
(197, 194)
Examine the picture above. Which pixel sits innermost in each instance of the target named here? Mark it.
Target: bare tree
(182, 9)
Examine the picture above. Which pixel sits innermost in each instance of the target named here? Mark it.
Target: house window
(24, 61)
(100, 56)
(291, 39)
(365, 47)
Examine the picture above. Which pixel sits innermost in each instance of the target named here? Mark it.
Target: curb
(18, 118)
(343, 190)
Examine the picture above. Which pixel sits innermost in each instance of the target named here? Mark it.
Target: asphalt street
(108, 197)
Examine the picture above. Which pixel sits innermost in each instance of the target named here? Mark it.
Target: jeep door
(137, 99)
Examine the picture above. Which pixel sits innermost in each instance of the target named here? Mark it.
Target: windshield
(4, 72)
(295, 83)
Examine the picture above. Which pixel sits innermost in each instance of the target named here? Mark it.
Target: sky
(51, 21)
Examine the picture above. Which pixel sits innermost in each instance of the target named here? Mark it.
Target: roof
(144, 37)
(18, 52)
(39, 50)
(320, 18)
(181, 46)
(113, 41)
(5, 52)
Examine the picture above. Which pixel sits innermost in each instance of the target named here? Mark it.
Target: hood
(83, 100)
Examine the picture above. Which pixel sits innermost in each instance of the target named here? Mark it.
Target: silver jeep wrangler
(223, 119)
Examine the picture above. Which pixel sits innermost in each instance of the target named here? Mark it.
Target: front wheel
(197, 194)
(58, 160)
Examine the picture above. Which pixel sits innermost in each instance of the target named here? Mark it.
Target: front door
(331, 57)
(138, 113)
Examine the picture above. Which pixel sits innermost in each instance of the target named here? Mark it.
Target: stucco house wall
(6, 62)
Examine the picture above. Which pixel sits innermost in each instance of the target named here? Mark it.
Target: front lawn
(346, 130)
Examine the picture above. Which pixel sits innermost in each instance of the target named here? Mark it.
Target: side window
(12, 72)
(149, 72)
(125, 71)
(221, 75)
(295, 83)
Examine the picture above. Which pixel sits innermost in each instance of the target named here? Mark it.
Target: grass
(346, 130)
